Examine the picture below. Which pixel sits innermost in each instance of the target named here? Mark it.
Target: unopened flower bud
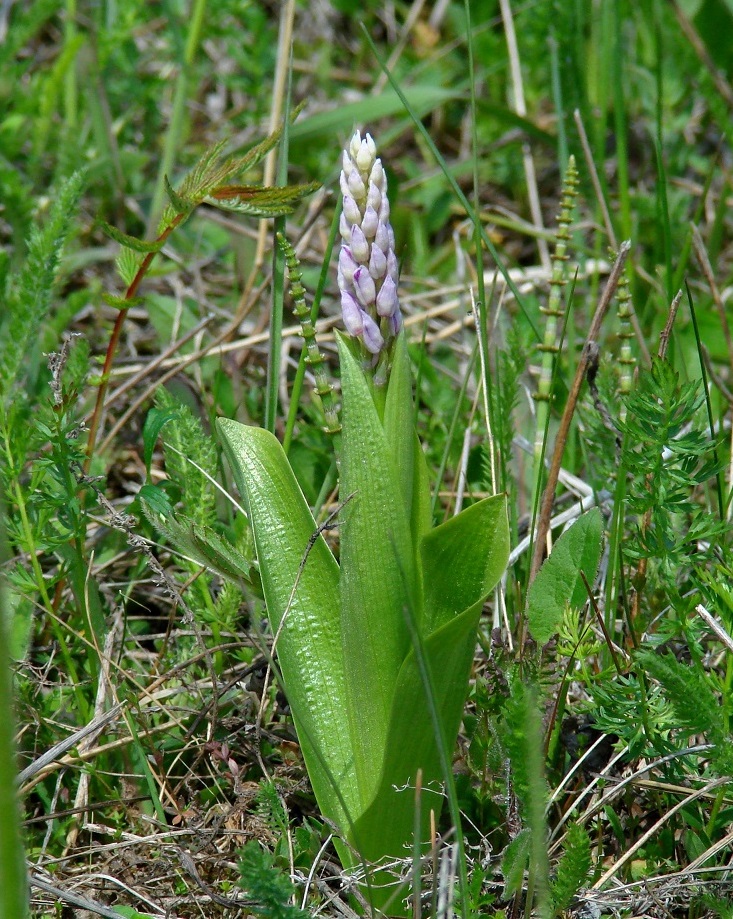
(381, 238)
(374, 197)
(372, 336)
(351, 210)
(352, 315)
(393, 269)
(356, 185)
(366, 292)
(369, 222)
(359, 245)
(377, 263)
(387, 301)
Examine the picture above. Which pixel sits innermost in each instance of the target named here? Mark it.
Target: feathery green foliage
(269, 889)
(29, 292)
(573, 868)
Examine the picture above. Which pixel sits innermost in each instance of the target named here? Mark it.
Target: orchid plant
(375, 648)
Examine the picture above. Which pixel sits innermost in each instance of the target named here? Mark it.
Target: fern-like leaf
(30, 296)
(574, 867)
(269, 889)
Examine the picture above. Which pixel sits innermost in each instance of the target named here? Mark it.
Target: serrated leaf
(121, 303)
(179, 203)
(127, 263)
(559, 582)
(131, 242)
(514, 863)
(260, 202)
(574, 867)
(201, 544)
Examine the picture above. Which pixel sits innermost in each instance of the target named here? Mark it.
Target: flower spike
(368, 272)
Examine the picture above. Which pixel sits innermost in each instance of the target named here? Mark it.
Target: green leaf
(200, 543)
(574, 867)
(463, 559)
(121, 303)
(269, 888)
(378, 577)
(305, 588)
(127, 912)
(13, 880)
(423, 99)
(514, 863)
(264, 202)
(19, 625)
(387, 824)
(131, 242)
(155, 421)
(558, 583)
(180, 204)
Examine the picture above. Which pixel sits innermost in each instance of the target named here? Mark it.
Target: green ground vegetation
(560, 184)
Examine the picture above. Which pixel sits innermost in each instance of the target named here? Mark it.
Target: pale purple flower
(368, 272)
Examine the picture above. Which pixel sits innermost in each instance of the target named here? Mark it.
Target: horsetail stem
(314, 358)
(625, 334)
(554, 309)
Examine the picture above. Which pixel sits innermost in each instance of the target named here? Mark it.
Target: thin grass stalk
(274, 356)
(70, 79)
(13, 881)
(626, 360)
(174, 134)
(619, 116)
(708, 404)
(480, 305)
(520, 107)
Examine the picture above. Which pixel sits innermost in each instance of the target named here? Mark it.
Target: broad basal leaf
(463, 559)
(411, 744)
(300, 580)
(558, 582)
(378, 578)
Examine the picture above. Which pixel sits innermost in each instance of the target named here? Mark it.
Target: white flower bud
(344, 228)
(364, 287)
(347, 265)
(377, 263)
(359, 245)
(352, 314)
(351, 210)
(393, 269)
(372, 336)
(355, 144)
(356, 185)
(387, 301)
(377, 175)
(374, 197)
(370, 222)
(381, 238)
